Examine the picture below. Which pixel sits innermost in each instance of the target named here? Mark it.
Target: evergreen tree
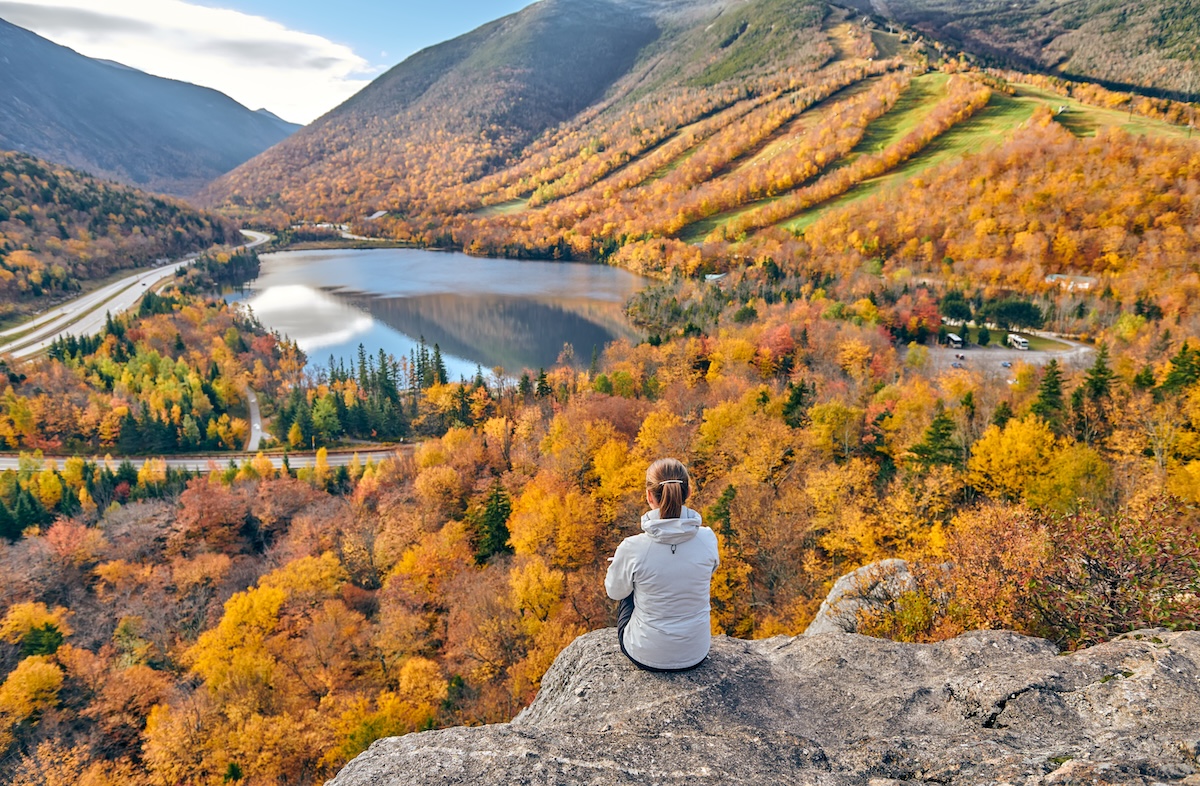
(439, 367)
(8, 524)
(304, 422)
(1049, 403)
(28, 512)
(543, 385)
(1185, 370)
(937, 446)
(490, 524)
(1002, 414)
(325, 423)
(800, 398)
(984, 337)
(721, 513)
(1099, 378)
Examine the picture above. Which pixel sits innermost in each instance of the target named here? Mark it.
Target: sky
(296, 58)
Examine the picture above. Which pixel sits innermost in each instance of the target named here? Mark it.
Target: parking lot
(991, 359)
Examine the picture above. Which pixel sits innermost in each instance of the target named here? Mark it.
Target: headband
(665, 482)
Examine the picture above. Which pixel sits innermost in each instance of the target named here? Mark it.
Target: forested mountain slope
(461, 110)
(120, 123)
(692, 137)
(1153, 45)
(60, 228)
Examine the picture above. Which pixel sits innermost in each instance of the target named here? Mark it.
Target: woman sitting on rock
(662, 578)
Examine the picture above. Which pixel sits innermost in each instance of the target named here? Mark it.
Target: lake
(480, 312)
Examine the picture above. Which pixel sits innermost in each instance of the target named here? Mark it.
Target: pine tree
(721, 513)
(1185, 370)
(8, 524)
(800, 398)
(1002, 414)
(439, 367)
(937, 446)
(491, 525)
(1049, 403)
(28, 512)
(1099, 378)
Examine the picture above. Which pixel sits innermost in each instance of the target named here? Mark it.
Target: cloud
(257, 61)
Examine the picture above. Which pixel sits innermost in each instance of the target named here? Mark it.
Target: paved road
(86, 315)
(221, 462)
(256, 429)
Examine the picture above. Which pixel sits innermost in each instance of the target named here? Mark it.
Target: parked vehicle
(1017, 342)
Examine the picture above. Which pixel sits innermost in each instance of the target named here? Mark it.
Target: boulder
(870, 588)
(987, 707)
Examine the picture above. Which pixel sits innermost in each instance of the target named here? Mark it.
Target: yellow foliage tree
(29, 689)
(233, 658)
(1009, 462)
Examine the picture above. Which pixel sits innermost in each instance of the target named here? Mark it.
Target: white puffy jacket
(668, 569)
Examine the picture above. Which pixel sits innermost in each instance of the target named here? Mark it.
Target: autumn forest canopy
(817, 204)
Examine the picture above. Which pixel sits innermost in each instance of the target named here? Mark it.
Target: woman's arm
(618, 582)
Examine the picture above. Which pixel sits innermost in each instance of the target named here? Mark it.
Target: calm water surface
(485, 312)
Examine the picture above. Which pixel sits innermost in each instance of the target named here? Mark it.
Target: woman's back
(667, 572)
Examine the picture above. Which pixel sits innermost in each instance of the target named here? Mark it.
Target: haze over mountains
(120, 123)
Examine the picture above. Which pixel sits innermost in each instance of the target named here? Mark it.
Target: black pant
(624, 613)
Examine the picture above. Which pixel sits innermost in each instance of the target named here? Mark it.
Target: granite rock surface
(840, 708)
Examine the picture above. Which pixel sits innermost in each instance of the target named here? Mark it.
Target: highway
(220, 462)
(86, 315)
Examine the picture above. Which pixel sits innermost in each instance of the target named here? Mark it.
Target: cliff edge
(987, 707)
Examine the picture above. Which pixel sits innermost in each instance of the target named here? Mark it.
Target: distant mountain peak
(115, 121)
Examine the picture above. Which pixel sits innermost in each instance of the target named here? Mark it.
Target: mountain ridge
(1150, 47)
(120, 123)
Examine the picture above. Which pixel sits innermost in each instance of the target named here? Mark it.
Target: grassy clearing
(503, 208)
(912, 107)
(789, 135)
(989, 127)
(998, 337)
(786, 137)
(841, 40)
(887, 44)
(1086, 120)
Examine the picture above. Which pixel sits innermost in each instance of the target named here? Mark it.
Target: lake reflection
(486, 312)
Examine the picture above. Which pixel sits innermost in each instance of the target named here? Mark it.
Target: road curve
(86, 315)
(256, 429)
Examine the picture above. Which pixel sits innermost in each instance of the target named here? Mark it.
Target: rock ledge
(985, 708)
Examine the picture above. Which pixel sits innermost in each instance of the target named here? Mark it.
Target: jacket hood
(671, 531)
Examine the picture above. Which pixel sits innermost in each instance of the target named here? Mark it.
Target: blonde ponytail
(669, 486)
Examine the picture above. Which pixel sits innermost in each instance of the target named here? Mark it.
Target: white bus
(1017, 342)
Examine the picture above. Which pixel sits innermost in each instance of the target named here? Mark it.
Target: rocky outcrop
(870, 588)
(984, 708)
